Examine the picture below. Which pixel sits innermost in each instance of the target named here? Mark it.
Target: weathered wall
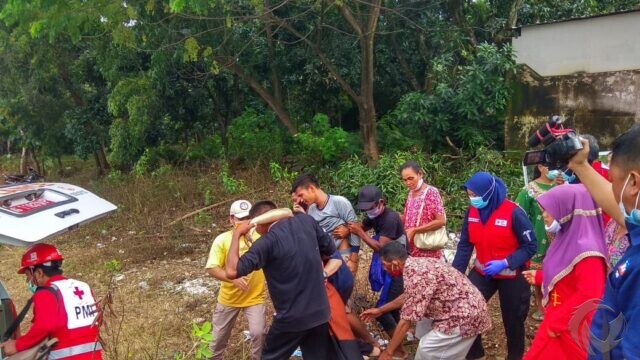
(593, 45)
(601, 104)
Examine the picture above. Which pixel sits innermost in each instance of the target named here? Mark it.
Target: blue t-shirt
(615, 328)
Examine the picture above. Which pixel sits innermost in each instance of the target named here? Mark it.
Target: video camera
(560, 145)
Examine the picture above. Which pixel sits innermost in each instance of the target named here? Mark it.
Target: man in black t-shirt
(387, 227)
(287, 251)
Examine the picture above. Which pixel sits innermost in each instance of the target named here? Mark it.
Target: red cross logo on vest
(78, 293)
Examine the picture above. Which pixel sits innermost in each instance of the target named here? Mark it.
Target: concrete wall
(593, 45)
(603, 104)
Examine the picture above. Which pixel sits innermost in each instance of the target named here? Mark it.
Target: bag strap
(422, 205)
(16, 322)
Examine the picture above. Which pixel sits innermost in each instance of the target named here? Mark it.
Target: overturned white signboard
(33, 212)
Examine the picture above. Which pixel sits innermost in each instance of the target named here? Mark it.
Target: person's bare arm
(358, 230)
(598, 187)
(218, 273)
(332, 266)
(231, 265)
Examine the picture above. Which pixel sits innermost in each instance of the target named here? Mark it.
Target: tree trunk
(36, 163)
(60, 166)
(254, 84)
(366, 107)
(275, 76)
(102, 165)
(24, 160)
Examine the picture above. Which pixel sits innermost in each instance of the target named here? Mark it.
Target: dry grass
(148, 317)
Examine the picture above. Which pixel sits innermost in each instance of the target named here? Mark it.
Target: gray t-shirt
(338, 211)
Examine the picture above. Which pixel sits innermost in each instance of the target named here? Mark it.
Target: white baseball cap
(240, 208)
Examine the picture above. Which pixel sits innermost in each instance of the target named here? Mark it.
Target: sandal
(375, 352)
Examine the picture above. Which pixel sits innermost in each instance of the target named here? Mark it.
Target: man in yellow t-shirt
(243, 294)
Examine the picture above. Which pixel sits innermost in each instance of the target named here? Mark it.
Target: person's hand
(243, 227)
(298, 208)
(494, 267)
(530, 276)
(341, 232)
(241, 283)
(356, 228)
(385, 355)
(9, 347)
(580, 158)
(552, 334)
(410, 233)
(370, 314)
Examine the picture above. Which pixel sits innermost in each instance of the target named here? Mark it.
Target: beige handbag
(430, 240)
(38, 352)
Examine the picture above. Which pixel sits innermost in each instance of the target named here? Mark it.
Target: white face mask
(420, 182)
(553, 228)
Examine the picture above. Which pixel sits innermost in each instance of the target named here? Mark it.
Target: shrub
(319, 143)
(257, 138)
(209, 149)
(442, 171)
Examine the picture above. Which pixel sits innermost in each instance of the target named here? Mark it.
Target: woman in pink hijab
(573, 273)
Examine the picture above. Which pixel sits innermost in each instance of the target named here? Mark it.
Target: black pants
(514, 304)
(315, 344)
(390, 320)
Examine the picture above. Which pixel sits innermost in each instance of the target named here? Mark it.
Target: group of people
(555, 236)
(584, 270)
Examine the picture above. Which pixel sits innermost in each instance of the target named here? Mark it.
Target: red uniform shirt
(50, 320)
(494, 240)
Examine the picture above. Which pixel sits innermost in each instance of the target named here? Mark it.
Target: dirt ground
(150, 275)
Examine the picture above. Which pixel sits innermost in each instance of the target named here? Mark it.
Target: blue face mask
(32, 288)
(634, 216)
(553, 174)
(568, 178)
(478, 202)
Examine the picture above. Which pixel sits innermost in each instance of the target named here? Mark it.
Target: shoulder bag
(430, 240)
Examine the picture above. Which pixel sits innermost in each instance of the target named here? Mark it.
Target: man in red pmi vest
(503, 237)
(68, 313)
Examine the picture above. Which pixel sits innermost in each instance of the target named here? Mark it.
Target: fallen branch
(207, 208)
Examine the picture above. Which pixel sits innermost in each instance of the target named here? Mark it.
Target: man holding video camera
(616, 323)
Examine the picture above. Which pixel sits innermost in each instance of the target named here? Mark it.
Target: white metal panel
(38, 226)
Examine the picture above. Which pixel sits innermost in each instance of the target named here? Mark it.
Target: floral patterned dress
(617, 242)
(432, 206)
(434, 290)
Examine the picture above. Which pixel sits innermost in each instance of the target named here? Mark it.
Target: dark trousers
(514, 304)
(390, 320)
(315, 344)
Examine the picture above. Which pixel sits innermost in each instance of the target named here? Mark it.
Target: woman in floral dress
(420, 195)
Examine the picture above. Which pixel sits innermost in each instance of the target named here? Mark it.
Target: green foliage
(201, 337)
(229, 184)
(256, 137)
(281, 175)
(445, 173)
(113, 266)
(147, 162)
(466, 107)
(207, 150)
(206, 188)
(319, 143)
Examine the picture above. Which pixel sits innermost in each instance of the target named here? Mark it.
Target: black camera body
(560, 145)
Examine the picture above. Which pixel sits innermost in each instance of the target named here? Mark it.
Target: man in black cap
(387, 227)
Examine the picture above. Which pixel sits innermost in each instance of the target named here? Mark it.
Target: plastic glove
(494, 267)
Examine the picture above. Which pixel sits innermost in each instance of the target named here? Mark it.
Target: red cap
(39, 254)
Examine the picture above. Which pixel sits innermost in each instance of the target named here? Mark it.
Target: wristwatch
(324, 273)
